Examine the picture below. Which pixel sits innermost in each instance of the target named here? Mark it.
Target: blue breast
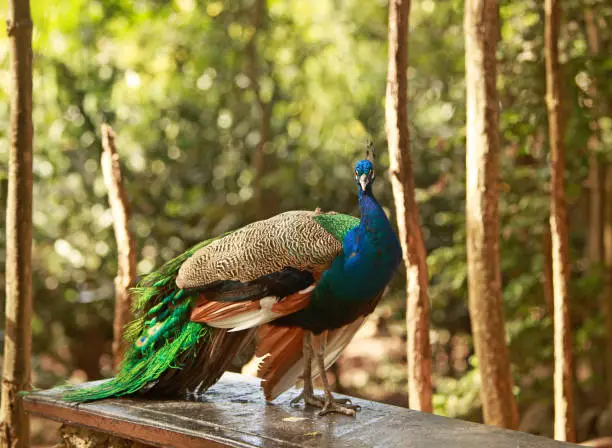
(371, 255)
(354, 282)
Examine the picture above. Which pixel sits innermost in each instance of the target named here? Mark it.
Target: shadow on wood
(233, 413)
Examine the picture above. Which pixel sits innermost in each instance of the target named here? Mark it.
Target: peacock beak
(363, 181)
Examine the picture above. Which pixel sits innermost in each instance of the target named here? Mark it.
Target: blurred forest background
(227, 112)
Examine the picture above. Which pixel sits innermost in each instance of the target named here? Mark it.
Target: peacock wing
(263, 271)
(302, 240)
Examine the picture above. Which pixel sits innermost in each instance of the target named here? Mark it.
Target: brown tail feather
(282, 349)
(283, 364)
(203, 368)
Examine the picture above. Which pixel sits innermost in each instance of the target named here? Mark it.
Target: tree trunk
(595, 235)
(264, 207)
(482, 218)
(126, 245)
(564, 408)
(600, 225)
(607, 295)
(18, 337)
(411, 238)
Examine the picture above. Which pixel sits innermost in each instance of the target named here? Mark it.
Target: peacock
(300, 284)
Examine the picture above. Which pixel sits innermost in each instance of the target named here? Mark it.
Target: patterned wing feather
(292, 239)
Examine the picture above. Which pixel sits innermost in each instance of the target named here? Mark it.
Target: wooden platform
(233, 413)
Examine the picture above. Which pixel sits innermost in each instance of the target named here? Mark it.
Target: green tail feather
(160, 336)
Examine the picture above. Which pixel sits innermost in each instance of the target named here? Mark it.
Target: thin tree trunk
(595, 235)
(411, 238)
(482, 217)
(15, 426)
(126, 245)
(564, 407)
(607, 295)
(600, 225)
(264, 207)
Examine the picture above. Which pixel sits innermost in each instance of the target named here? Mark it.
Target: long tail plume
(161, 337)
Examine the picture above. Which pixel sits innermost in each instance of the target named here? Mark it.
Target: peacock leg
(331, 404)
(307, 394)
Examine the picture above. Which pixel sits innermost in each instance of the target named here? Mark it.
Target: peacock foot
(341, 406)
(309, 399)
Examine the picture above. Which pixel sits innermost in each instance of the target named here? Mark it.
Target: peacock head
(364, 172)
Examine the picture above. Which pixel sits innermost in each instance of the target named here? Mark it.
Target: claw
(348, 403)
(335, 406)
(309, 399)
(339, 405)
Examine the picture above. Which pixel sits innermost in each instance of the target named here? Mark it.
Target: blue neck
(374, 222)
(358, 276)
(370, 257)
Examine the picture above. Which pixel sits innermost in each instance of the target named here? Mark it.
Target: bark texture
(482, 217)
(411, 238)
(18, 333)
(564, 407)
(126, 245)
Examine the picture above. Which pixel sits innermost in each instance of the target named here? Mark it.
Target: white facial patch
(363, 181)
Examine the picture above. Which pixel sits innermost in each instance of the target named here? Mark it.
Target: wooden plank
(233, 413)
